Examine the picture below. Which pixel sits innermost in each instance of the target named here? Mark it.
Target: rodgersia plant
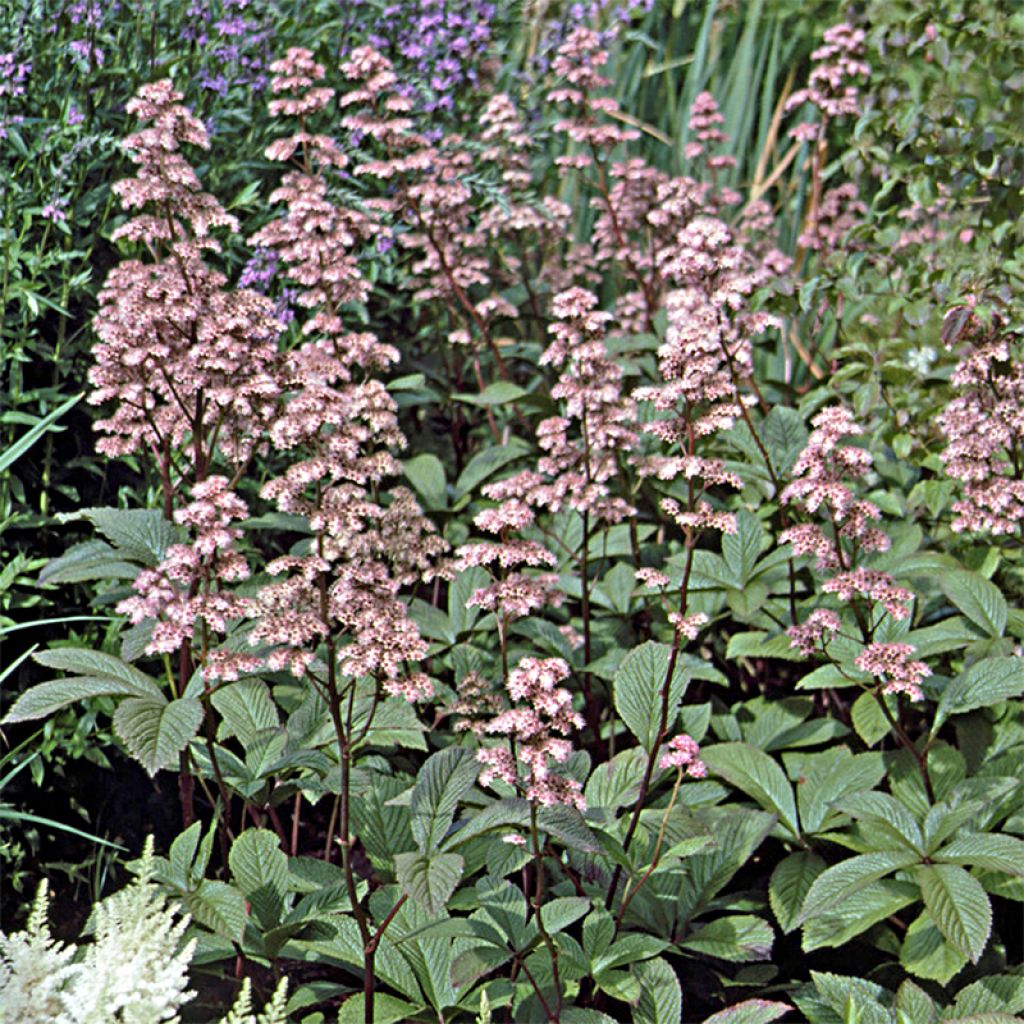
(525, 645)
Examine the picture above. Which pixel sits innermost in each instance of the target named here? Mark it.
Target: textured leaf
(44, 699)
(784, 435)
(750, 1011)
(959, 906)
(740, 938)
(387, 1009)
(442, 781)
(978, 598)
(741, 550)
(511, 811)
(917, 1006)
(996, 993)
(844, 879)
(759, 776)
(219, 906)
(563, 911)
(638, 691)
(155, 731)
(925, 953)
(429, 879)
(759, 644)
(857, 913)
(844, 994)
(567, 825)
(259, 867)
(140, 534)
(983, 684)
(831, 776)
(887, 819)
(460, 590)
(868, 719)
(789, 885)
(246, 708)
(661, 997)
(501, 392)
(995, 852)
(90, 560)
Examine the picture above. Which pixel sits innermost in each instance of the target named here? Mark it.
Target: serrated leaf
(917, 1006)
(869, 720)
(511, 811)
(925, 953)
(442, 781)
(218, 906)
(568, 826)
(886, 817)
(857, 913)
(44, 699)
(759, 644)
(259, 867)
(984, 850)
(831, 776)
(784, 435)
(983, 684)
(90, 560)
(740, 938)
(978, 598)
(387, 1009)
(429, 879)
(501, 392)
(750, 1011)
(959, 906)
(842, 880)
(140, 534)
(661, 996)
(460, 590)
(790, 882)
(156, 731)
(996, 993)
(638, 687)
(246, 708)
(759, 776)
(843, 993)
(562, 911)
(741, 550)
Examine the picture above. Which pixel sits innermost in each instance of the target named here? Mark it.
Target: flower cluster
(541, 717)
(184, 358)
(985, 424)
(888, 662)
(683, 753)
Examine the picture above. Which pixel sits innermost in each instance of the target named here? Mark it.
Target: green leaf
(13, 452)
(44, 699)
(994, 852)
(996, 993)
(759, 644)
(886, 818)
(460, 590)
(139, 534)
(741, 550)
(259, 867)
(869, 720)
(828, 778)
(426, 474)
(844, 879)
(429, 878)
(387, 1009)
(661, 997)
(501, 392)
(750, 1011)
(789, 885)
(563, 911)
(218, 906)
(442, 781)
(511, 811)
(915, 1004)
(246, 708)
(486, 463)
(739, 937)
(925, 953)
(857, 913)
(959, 906)
(567, 825)
(857, 1000)
(155, 731)
(978, 598)
(983, 684)
(638, 687)
(90, 560)
(759, 776)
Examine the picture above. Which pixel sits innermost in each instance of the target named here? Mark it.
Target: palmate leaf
(959, 906)
(97, 675)
(156, 731)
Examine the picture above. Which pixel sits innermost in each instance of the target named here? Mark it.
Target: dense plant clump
(550, 550)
